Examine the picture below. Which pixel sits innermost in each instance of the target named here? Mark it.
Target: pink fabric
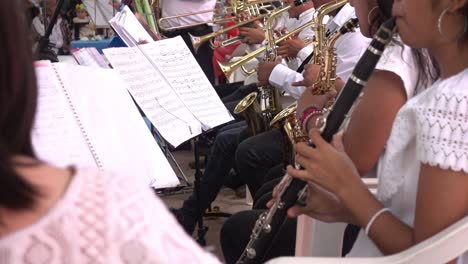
(104, 218)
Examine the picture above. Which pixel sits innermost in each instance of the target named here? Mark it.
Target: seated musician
(423, 175)
(69, 215)
(221, 159)
(253, 35)
(256, 155)
(395, 81)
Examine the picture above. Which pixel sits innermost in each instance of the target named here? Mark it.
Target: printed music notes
(129, 28)
(86, 117)
(89, 57)
(154, 95)
(175, 61)
(170, 87)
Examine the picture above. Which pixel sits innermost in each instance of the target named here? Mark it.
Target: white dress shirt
(180, 7)
(304, 17)
(349, 49)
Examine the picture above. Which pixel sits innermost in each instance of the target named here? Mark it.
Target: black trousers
(236, 231)
(204, 55)
(256, 155)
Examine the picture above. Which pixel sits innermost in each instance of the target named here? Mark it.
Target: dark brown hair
(427, 68)
(18, 96)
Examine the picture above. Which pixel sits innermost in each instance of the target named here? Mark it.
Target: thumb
(316, 138)
(337, 141)
(331, 94)
(279, 59)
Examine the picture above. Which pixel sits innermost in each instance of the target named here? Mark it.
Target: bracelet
(372, 220)
(308, 111)
(299, 115)
(308, 117)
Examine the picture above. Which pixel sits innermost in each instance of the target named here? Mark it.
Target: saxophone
(325, 56)
(259, 108)
(269, 223)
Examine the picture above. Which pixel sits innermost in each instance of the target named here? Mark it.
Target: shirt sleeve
(282, 78)
(304, 53)
(443, 130)
(399, 60)
(349, 49)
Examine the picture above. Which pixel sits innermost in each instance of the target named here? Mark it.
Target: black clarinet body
(269, 223)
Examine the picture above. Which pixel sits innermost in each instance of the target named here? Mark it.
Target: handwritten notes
(177, 64)
(154, 95)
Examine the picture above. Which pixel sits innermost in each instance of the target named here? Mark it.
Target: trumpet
(229, 67)
(252, 8)
(198, 41)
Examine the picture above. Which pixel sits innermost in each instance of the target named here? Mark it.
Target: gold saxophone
(325, 56)
(259, 113)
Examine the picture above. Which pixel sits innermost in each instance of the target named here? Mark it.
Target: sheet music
(129, 29)
(177, 64)
(115, 126)
(154, 95)
(89, 57)
(56, 136)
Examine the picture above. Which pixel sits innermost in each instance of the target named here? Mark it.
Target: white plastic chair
(441, 248)
(319, 239)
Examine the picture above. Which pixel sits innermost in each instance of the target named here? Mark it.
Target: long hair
(427, 68)
(18, 99)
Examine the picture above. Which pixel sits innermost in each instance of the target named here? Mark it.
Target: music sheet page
(89, 57)
(154, 95)
(129, 29)
(56, 135)
(181, 70)
(115, 126)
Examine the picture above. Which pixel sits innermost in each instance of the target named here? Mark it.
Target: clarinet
(270, 222)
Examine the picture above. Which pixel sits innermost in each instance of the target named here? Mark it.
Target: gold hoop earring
(441, 32)
(370, 13)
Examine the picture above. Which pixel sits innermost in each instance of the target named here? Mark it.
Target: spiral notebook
(86, 117)
(170, 87)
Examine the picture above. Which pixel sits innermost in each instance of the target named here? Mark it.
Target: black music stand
(201, 230)
(44, 51)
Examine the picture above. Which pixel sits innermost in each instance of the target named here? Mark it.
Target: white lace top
(432, 128)
(103, 218)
